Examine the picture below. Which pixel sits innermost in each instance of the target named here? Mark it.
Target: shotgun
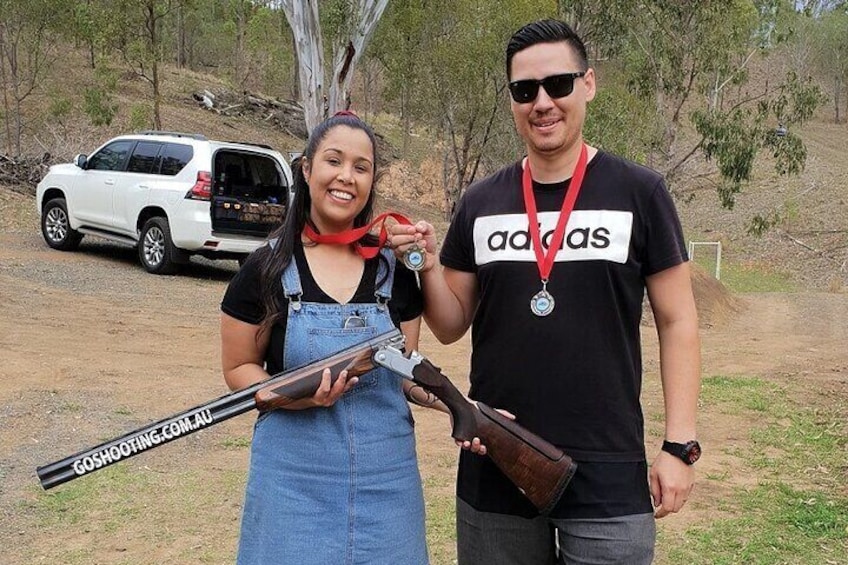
(275, 392)
(539, 469)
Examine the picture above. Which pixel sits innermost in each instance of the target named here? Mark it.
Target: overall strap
(291, 284)
(385, 269)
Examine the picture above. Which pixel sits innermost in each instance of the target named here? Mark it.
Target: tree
(355, 21)
(28, 47)
(691, 60)
(831, 55)
(444, 61)
(136, 28)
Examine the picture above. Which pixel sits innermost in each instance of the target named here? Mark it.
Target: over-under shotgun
(539, 469)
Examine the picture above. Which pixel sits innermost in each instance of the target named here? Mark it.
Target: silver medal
(542, 302)
(414, 258)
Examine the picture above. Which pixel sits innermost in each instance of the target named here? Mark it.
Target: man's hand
(671, 484)
(475, 445)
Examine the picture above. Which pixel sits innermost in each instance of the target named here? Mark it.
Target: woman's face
(340, 176)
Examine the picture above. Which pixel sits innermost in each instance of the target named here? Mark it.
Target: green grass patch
(804, 521)
(755, 278)
(775, 524)
(441, 526)
(735, 394)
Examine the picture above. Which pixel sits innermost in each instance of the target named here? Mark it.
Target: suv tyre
(156, 251)
(56, 227)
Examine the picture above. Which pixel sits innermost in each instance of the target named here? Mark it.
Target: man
(554, 299)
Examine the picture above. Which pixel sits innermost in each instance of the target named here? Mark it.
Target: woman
(334, 477)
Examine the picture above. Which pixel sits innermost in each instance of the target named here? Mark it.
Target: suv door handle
(143, 186)
(109, 181)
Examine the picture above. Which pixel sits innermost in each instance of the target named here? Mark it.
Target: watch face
(693, 452)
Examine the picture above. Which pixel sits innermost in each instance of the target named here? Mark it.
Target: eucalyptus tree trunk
(318, 97)
(346, 53)
(306, 29)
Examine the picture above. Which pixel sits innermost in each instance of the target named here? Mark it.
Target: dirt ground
(92, 347)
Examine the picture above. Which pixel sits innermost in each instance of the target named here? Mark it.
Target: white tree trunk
(348, 50)
(302, 16)
(318, 98)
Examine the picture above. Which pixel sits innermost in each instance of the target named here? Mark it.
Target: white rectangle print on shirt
(591, 235)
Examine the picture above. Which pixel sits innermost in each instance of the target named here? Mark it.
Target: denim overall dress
(336, 485)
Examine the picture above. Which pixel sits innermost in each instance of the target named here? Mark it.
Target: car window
(111, 157)
(143, 159)
(175, 157)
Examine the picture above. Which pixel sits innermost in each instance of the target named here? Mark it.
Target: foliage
(140, 117)
(446, 68)
(98, 107)
(29, 31)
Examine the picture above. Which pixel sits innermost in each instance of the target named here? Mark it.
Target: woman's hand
(422, 234)
(328, 392)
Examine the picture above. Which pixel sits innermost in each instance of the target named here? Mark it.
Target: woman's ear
(305, 167)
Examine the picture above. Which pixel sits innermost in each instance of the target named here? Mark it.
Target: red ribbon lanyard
(354, 235)
(546, 261)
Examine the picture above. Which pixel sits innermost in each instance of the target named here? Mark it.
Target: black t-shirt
(574, 377)
(242, 298)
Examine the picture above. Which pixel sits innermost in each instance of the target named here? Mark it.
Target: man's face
(551, 126)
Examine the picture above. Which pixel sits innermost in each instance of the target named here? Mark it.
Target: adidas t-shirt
(573, 377)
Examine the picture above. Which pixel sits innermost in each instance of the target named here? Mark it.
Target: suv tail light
(202, 189)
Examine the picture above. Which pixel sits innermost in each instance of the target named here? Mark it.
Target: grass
(751, 277)
(798, 512)
(111, 503)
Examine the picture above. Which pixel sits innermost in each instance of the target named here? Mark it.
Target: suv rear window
(143, 158)
(175, 157)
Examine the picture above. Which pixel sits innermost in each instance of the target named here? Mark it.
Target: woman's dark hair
(274, 259)
(545, 31)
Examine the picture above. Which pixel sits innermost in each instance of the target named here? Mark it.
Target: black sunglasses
(557, 86)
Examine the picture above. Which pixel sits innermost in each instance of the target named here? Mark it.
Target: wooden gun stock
(538, 468)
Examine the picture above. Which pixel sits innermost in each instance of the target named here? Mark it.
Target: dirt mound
(715, 304)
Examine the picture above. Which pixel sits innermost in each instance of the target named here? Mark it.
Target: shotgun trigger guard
(393, 359)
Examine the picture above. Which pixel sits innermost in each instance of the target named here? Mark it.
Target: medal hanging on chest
(543, 303)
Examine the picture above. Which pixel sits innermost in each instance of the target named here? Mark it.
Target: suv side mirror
(81, 160)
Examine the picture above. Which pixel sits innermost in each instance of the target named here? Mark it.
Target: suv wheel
(155, 248)
(56, 227)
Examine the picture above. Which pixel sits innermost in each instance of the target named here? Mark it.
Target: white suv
(171, 195)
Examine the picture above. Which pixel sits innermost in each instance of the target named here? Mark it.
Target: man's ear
(589, 84)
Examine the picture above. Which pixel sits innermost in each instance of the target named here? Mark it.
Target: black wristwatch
(688, 452)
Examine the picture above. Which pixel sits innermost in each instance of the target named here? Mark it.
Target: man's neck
(551, 168)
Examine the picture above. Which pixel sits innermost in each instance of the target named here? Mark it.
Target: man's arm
(673, 305)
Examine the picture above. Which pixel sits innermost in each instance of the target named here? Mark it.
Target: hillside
(809, 249)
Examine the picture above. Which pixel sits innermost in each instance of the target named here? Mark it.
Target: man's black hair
(545, 31)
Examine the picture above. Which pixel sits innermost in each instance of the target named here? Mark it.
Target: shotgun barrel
(274, 392)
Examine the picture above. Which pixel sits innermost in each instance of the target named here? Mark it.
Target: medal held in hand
(414, 258)
(543, 303)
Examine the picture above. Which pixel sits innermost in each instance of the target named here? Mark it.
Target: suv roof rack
(197, 136)
(262, 145)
